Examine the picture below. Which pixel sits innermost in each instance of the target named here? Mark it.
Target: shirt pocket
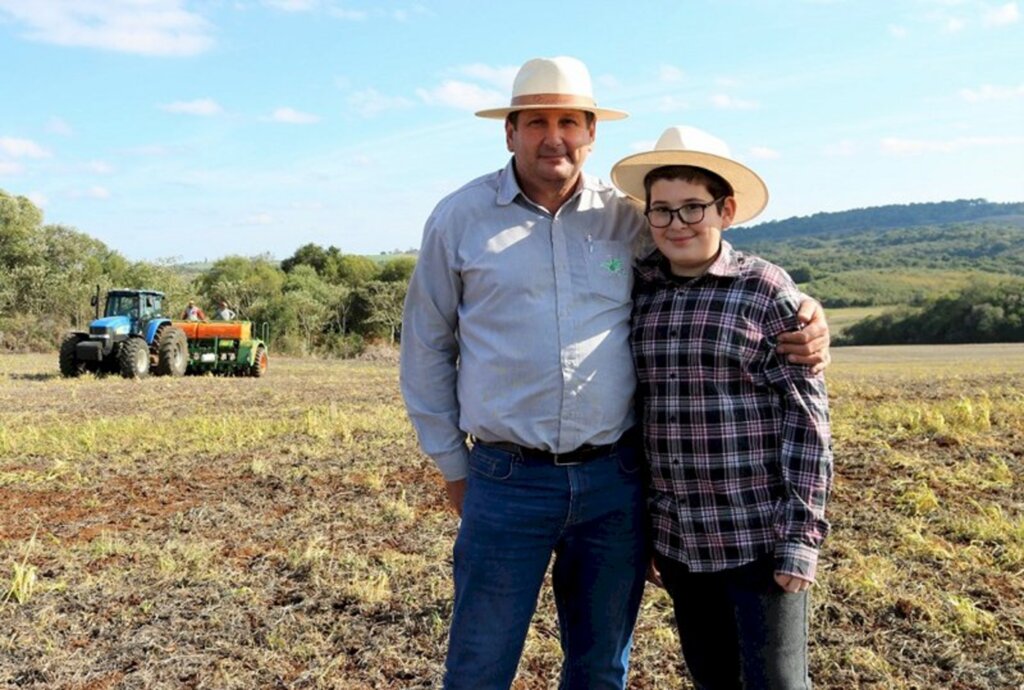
(609, 269)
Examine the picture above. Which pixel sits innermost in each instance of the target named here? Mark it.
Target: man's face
(550, 146)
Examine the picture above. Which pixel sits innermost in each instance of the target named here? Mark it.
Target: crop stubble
(286, 533)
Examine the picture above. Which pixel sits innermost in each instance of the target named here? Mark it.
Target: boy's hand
(792, 583)
(654, 575)
(810, 345)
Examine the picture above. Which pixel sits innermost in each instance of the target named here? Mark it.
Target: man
(224, 312)
(516, 336)
(193, 312)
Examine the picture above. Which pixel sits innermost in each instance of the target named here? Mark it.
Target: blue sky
(171, 129)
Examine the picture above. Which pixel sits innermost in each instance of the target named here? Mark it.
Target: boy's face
(689, 248)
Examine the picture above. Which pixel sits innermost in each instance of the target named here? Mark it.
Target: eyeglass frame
(674, 213)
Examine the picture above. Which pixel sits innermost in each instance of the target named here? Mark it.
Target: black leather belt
(574, 457)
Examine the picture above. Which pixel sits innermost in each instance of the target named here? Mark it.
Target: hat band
(553, 99)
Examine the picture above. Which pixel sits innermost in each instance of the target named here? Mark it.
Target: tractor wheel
(260, 363)
(133, 358)
(171, 352)
(70, 365)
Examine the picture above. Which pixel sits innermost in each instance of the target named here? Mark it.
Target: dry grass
(286, 533)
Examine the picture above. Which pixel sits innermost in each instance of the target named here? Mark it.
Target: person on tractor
(193, 312)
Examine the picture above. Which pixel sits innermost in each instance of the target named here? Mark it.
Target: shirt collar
(654, 267)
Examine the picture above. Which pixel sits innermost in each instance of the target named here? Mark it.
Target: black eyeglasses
(688, 214)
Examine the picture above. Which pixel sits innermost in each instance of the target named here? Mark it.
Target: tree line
(985, 312)
(963, 280)
(317, 301)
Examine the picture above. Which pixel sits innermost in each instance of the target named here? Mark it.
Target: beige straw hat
(558, 82)
(683, 145)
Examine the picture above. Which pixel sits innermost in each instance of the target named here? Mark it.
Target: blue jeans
(739, 630)
(517, 513)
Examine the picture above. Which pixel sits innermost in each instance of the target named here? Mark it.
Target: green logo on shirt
(613, 265)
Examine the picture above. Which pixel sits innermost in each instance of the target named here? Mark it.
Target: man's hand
(792, 583)
(810, 345)
(456, 495)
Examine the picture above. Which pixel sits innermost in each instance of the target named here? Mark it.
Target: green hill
(900, 254)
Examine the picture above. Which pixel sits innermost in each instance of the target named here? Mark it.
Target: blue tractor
(132, 338)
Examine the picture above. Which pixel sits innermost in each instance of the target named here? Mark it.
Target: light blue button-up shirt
(516, 324)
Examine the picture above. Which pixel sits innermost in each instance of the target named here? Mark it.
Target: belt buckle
(558, 462)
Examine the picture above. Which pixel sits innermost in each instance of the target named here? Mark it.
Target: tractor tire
(171, 352)
(133, 359)
(70, 365)
(260, 362)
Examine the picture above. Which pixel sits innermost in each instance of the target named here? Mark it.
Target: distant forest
(955, 268)
(945, 272)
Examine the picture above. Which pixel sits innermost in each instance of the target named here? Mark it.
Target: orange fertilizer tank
(207, 330)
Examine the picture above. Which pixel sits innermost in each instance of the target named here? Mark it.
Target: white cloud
(670, 74)
(292, 5)
(764, 153)
(953, 25)
(348, 15)
(38, 198)
(726, 102)
(22, 148)
(204, 107)
(501, 77)
(146, 27)
(99, 167)
(1003, 15)
(671, 104)
(56, 125)
(370, 102)
(990, 92)
(909, 147)
(149, 150)
(11, 168)
(258, 219)
(840, 148)
(95, 192)
(294, 117)
(462, 95)
(897, 31)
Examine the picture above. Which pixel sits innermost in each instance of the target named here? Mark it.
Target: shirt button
(672, 375)
(674, 333)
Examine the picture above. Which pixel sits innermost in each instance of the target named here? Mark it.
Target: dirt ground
(285, 532)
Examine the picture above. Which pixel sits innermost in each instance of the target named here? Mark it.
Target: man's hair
(715, 183)
(513, 118)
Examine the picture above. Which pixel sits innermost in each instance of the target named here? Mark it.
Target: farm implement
(224, 347)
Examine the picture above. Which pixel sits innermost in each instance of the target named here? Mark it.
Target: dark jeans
(738, 628)
(516, 515)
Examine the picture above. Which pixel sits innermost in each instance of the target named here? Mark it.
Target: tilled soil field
(285, 532)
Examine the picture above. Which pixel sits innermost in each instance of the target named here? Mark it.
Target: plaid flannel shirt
(737, 439)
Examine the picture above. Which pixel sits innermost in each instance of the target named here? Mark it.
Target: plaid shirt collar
(654, 269)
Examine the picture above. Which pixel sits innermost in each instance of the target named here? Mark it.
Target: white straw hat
(558, 82)
(681, 145)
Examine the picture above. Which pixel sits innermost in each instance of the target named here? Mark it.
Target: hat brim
(599, 113)
(749, 189)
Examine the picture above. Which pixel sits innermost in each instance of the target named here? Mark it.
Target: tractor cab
(131, 337)
(129, 307)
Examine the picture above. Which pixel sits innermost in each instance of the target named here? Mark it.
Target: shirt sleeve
(805, 448)
(428, 371)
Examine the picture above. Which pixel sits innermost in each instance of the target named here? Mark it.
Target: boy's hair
(715, 183)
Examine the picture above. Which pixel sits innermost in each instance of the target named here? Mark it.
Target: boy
(737, 440)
